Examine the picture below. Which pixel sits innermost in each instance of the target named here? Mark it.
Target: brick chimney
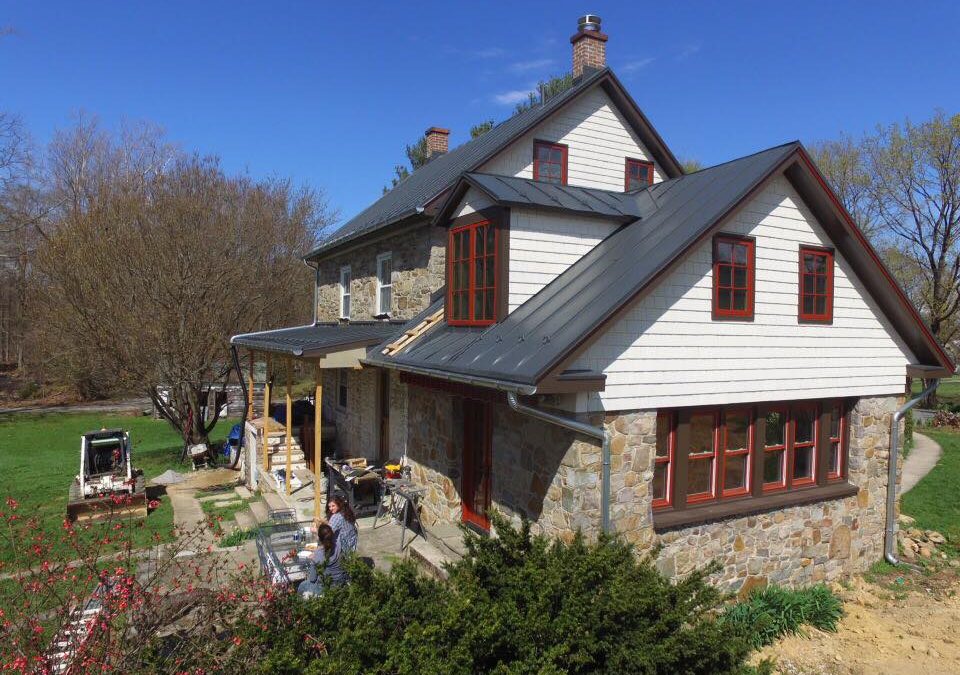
(438, 141)
(589, 45)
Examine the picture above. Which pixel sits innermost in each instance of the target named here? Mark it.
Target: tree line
(128, 262)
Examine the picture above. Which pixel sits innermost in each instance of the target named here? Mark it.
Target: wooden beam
(250, 388)
(289, 423)
(265, 431)
(317, 440)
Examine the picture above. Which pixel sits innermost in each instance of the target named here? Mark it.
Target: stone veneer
(552, 476)
(358, 422)
(418, 259)
(801, 544)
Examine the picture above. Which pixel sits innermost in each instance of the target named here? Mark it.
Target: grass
(40, 455)
(773, 612)
(947, 393)
(935, 501)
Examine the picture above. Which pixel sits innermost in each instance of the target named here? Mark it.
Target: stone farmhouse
(554, 322)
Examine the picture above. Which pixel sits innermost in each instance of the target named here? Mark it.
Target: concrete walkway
(924, 456)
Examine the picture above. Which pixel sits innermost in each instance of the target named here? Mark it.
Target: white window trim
(345, 291)
(380, 285)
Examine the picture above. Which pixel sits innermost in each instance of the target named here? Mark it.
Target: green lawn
(40, 455)
(948, 392)
(935, 501)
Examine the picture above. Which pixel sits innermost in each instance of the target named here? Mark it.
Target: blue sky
(329, 94)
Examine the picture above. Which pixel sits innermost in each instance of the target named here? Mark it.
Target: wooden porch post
(250, 388)
(317, 440)
(289, 421)
(266, 415)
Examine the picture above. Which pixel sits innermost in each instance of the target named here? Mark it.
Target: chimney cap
(589, 22)
(437, 130)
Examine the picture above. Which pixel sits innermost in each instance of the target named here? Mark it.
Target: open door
(477, 460)
(383, 416)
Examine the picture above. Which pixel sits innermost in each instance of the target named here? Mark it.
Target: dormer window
(549, 162)
(639, 174)
(471, 275)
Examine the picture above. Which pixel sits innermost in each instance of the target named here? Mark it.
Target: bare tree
(843, 163)
(158, 258)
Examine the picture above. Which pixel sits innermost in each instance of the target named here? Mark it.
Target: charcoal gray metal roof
(535, 337)
(429, 181)
(319, 339)
(515, 191)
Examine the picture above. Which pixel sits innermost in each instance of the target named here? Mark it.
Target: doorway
(477, 460)
(383, 416)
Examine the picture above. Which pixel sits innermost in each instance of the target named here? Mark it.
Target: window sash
(704, 477)
(665, 462)
(815, 294)
(472, 274)
(734, 274)
(549, 162)
(345, 280)
(384, 283)
(638, 174)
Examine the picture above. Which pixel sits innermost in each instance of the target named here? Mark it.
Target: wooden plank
(317, 441)
(412, 334)
(289, 421)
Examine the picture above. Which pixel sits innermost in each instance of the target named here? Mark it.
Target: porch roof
(320, 339)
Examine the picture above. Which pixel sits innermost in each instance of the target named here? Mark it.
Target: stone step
(429, 557)
(260, 512)
(242, 492)
(448, 538)
(274, 501)
(245, 520)
(279, 461)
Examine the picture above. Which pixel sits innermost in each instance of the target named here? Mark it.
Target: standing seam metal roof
(531, 340)
(318, 338)
(516, 191)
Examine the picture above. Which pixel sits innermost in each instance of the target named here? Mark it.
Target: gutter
(598, 433)
(487, 382)
(890, 542)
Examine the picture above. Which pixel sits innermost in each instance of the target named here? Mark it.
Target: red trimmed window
(804, 426)
(775, 450)
(816, 285)
(549, 162)
(835, 454)
(471, 275)
(737, 432)
(639, 174)
(663, 461)
(702, 457)
(733, 277)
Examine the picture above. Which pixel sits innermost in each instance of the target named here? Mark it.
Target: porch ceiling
(320, 340)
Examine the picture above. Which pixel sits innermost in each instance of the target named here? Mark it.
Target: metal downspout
(316, 289)
(586, 429)
(890, 542)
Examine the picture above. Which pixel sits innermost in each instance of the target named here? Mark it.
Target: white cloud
(513, 96)
(524, 66)
(489, 53)
(633, 66)
(688, 50)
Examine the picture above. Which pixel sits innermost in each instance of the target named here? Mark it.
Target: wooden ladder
(409, 336)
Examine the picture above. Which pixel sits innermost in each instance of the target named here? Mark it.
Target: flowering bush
(88, 600)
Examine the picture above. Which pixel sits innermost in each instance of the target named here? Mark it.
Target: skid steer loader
(107, 485)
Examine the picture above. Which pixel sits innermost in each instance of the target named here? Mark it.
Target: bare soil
(895, 621)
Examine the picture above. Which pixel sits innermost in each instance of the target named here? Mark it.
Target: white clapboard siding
(598, 138)
(669, 352)
(472, 202)
(543, 244)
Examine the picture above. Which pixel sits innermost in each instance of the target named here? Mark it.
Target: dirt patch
(897, 622)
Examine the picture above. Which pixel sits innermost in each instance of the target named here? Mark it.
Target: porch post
(289, 420)
(250, 389)
(266, 415)
(317, 439)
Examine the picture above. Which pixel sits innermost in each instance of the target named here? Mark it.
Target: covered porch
(304, 414)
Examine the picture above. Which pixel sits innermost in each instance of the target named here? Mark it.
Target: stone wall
(552, 477)
(418, 271)
(802, 544)
(358, 422)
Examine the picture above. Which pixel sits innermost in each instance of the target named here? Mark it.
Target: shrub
(513, 604)
(772, 612)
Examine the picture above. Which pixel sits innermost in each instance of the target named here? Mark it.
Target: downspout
(890, 543)
(598, 433)
(316, 288)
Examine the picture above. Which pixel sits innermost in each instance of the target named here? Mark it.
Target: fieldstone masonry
(802, 544)
(552, 476)
(418, 256)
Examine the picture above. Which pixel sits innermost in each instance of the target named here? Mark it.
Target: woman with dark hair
(325, 561)
(344, 523)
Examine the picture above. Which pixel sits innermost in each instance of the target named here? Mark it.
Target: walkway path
(924, 456)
